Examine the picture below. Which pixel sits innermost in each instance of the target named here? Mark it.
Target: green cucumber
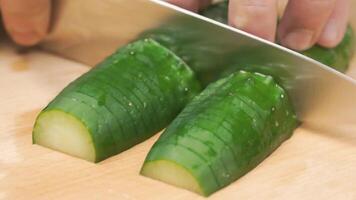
(223, 133)
(127, 98)
(338, 57)
(190, 46)
(217, 11)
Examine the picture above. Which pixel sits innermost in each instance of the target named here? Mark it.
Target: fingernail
(330, 36)
(24, 36)
(298, 39)
(330, 32)
(239, 21)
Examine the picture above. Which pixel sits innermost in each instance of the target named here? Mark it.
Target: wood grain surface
(311, 165)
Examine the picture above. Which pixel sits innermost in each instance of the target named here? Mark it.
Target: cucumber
(337, 58)
(179, 36)
(223, 133)
(124, 100)
(217, 11)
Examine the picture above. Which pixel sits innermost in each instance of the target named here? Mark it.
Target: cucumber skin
(217, 11)
(128, 97)
(218, 137)
(337, 58)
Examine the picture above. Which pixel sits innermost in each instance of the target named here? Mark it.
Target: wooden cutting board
(311, 165)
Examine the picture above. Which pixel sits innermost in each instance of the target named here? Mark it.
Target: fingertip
(26, 38)
(301, 26)
(335, 28)
(299, 39)
(192, 5)
(331, 37)
(24, 32)
(238, 21)
(26, 22)
(247, 15)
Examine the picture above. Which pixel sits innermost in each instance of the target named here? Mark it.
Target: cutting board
(310, 165)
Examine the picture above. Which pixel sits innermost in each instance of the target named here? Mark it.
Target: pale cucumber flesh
(61, 131)
(171, 173)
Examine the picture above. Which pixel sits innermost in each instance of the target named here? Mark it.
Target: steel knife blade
(89, 30)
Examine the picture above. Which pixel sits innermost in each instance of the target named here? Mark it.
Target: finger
(335, 28)
(192, 5)
(258, 17)
(303, 22)
(26, 21)
(282, 4)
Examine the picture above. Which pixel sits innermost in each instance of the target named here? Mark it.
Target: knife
(89, 30)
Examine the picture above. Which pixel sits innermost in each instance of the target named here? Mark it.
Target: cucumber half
(63, 132)
(124, 100)
(223, 133)
(171, 173)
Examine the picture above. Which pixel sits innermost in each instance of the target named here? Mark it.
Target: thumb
(26, 21)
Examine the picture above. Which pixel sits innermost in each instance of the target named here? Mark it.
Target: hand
(304, 23)
(26, 21)
(192, 5)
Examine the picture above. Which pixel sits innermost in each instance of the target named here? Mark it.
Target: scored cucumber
(217, 11)
(122, 101)
(338, 57)
(194, 48)
(223, 133)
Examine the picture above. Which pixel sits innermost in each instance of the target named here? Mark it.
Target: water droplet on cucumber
(226, 175)
(132, 53)
(130, 104)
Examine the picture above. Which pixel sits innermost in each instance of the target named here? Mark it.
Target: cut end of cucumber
(171, 173)
(63, 132)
